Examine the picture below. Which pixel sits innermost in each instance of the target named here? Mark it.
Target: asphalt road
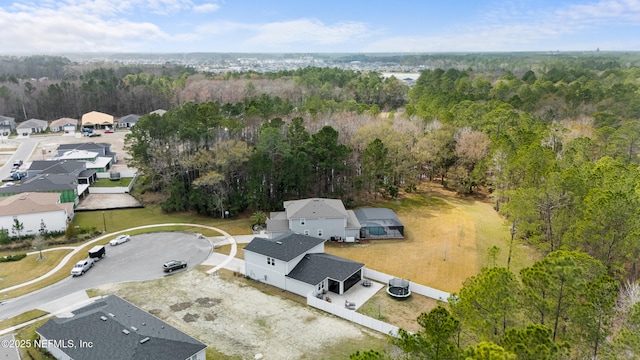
(136, 260)
(23, 152)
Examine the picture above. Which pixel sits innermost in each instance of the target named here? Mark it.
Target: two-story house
(297, 263)
(318, 217)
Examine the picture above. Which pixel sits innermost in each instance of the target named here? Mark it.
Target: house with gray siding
(117, 329)
(318, 217)
(32, 126)
(297, 263)
(7, 123)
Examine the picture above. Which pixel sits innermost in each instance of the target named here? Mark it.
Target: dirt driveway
(240, 320)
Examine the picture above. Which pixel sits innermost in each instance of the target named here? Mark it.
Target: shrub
(16, 257)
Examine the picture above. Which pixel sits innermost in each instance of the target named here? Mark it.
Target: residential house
(97, 120)
(128, 121)
(322, 218)
(91, 159)
(78, 169)
(33, 211)
(7, 124)
(113, 328)
(65, 185)
(32, 126)
(67, 125)
(103, 149)
(297, 263)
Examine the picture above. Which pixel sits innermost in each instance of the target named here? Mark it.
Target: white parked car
(119, 240)
(82, 267)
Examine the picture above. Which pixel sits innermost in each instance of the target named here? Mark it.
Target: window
(271, 261)
(320, 232)
(268, 261)
(303, 222)
(306, 232)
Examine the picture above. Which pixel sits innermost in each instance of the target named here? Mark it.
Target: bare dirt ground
(239, 320)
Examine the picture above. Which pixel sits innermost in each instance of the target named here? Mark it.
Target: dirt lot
(240, 321)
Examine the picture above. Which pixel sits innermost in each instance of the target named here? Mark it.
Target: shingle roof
(30, 203)
(314, 268)
(103, 323)
(33, 123)
(63, 121)
(131, 118)
(315, 208)
(57, 166)
(285, 247)
(42, 183)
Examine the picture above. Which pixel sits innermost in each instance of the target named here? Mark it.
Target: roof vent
(110, 314)
(134, 328)
(125, 331)
(103, 318)
(144, 340)
(279, 242)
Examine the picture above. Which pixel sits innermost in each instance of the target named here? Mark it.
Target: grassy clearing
(401, 313)
(446, 240)
(17, 272)
(117, 220)
(22, 318)
(122, 182)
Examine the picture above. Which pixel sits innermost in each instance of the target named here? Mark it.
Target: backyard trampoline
(398, 288)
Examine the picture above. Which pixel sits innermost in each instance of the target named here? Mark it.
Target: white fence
(352, 316)
(124, 174)
(117, 189)
(415, 288)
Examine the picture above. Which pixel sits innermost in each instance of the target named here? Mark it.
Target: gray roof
(315, 208)
(285, 247)
(42, 183)
(314, 268)
(377, 217)
(103, 323)
(57, 166)
(102, 148)
(33, 123)
(131, 118)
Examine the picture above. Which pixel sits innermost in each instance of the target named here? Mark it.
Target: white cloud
(513, 28)
(308, 31)
(206, 8)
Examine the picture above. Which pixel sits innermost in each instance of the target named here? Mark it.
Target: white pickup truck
(82, 266)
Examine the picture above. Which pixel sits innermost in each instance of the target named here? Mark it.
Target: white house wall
(329, 227)
(256, 267)
(56, 352)
(53, 220)
(299, 288)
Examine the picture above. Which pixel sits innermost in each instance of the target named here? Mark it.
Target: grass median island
(17, 272)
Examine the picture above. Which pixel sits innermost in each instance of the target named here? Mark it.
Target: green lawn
(122, 182)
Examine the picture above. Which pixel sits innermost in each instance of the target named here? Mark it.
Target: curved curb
(65, 260)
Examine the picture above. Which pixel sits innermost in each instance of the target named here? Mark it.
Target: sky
(311, 26)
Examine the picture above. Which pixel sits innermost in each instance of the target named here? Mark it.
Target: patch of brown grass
(17, 272)
(446, 240)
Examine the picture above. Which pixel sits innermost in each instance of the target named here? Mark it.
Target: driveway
(137, 260)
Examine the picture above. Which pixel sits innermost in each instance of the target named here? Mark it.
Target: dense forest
(554, 140)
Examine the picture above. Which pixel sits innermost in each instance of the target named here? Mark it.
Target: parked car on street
(120, 240)
(82, 267)
(172, 265)
(94, 134)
